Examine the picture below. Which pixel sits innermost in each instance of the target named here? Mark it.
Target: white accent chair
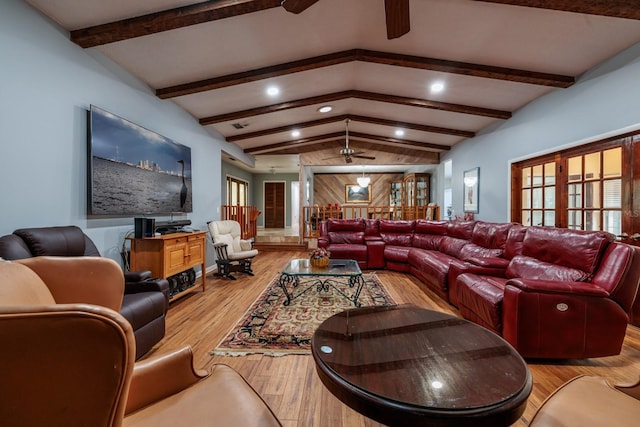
(232, 252)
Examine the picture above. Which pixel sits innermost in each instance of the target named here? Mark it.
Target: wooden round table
(404, 365)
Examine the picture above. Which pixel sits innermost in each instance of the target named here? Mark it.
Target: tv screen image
(134, 171)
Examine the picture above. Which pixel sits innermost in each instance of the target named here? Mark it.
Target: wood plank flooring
(290, 384)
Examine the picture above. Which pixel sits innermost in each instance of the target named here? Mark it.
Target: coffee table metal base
(321, 284)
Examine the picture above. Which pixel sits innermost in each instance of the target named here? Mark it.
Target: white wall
(604, 101)
(46, 85)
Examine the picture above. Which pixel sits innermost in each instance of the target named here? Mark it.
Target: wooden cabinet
(415, 194)
(169, 255)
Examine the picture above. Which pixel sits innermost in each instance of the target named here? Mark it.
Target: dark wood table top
(405, 365)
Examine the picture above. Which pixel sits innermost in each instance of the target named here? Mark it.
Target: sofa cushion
(397, 253)
(461, 229)
(397, 239)
(576, 249)
(345, 225)
(348, 251)
(389, 226)
(515, 237)
(531, 268)
(431, 227)
(472, 250)
(452, 246)
(347, 237)
(490, 234)
(53, 241)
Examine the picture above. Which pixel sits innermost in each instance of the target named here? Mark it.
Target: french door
(591, 187)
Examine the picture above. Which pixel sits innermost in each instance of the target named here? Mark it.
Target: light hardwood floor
(290, 384)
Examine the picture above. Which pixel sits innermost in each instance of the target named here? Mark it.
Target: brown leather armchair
(68, 357)
(590, 401)
(145, 300)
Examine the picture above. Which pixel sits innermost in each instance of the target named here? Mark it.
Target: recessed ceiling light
(295, 133)
(399, 132)
(273, 91)
(437, 87)
(325, 108)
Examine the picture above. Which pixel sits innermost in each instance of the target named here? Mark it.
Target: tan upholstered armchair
(589, 401)
(232, 252)
(68, 357)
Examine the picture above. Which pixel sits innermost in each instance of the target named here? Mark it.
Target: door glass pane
(612, 162)
(592, 194)
(526, 199)
(592, 166)
(575, 169)
(537, 175)
(592, 220)
(526, 217)
(537, 198)
(526, 177)
(575, 220)
(550, 218)
(612, 193)
(550, 174)
(575, 195)
(550, 197)
(612, 222)
(537, 218)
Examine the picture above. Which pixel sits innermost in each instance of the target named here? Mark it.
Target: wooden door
(274, 193)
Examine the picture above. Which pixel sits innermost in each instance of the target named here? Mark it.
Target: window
(591, 187)
(237, 192)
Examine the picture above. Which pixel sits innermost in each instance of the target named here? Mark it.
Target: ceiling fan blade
(397, 13)
(364, 157)
(297, 6)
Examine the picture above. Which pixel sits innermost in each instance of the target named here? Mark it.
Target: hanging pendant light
(363, 181)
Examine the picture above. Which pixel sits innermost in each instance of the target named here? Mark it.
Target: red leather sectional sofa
(550, 292)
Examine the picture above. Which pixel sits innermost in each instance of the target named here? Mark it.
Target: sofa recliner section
(550, 292)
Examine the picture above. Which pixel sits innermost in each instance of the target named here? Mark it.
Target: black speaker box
(144, 227)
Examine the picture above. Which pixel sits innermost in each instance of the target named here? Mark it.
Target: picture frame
(353, 193)
(471, 190)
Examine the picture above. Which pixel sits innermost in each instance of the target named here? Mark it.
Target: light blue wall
(46, 85)
(604, 101)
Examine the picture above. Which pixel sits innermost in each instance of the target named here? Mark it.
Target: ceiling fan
(396, 12)
(349, 153)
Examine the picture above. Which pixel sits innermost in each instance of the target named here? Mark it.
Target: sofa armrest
(585, 289)
(88, 280)
(136, 276)
(160, 377)
(323, 242)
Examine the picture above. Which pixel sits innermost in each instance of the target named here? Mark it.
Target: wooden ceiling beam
(343, 117)
(613, 8)
(289, 144)
(403, 142)
(166, 20)
(370, 56)
(371, 96)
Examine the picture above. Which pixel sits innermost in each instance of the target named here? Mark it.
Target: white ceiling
(492, 37)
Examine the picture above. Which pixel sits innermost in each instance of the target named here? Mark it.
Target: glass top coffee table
(299, 276)
(407, 366)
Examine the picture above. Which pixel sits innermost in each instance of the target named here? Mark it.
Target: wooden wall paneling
(330, 188)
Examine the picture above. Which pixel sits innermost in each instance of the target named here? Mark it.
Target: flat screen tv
(133, 171)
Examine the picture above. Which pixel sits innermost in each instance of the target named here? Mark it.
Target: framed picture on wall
(471, 183)
(353, 193)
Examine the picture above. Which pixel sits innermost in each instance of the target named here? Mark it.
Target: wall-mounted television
(133, 171)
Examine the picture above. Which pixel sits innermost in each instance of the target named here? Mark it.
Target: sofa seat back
(458, 235)
(428, 234)
(396, 233)
(47, 241)
(570, 250)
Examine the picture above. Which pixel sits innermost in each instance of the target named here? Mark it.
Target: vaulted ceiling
(216, 59)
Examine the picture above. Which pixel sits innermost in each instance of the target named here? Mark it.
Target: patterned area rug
(269, 327)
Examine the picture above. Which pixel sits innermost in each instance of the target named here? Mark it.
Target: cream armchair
(589, 401)
(232, 253)
(68, 357)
